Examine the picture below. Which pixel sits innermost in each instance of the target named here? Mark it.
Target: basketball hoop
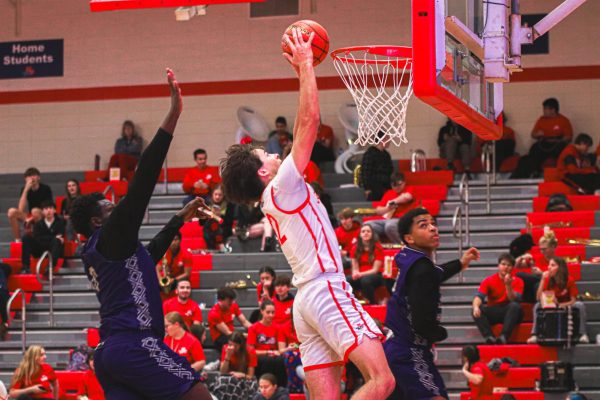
(380, 80)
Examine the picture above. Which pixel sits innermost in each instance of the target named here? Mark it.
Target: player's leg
(379, 381)
(324, 383)
(15, 217)
(197, 392)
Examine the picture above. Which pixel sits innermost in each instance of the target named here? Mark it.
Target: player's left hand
(301, 49)
(191, 210)
(472, 254)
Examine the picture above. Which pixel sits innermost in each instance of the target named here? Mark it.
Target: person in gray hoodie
(268, 389)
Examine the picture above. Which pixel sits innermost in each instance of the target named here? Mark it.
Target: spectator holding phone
(33, 378)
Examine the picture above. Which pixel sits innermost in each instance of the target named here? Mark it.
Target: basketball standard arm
(308, 115)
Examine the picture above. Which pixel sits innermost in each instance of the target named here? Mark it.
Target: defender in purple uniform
(131, 361)
(414, 310)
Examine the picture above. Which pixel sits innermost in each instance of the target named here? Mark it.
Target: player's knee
(12, 213)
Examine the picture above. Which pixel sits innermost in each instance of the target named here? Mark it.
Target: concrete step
(12, 358)
(498, 207)
(40, 319)
(51, 338)
(485, 223)
(333, 180)
(497, 192)
(64, 301)
(590, 272)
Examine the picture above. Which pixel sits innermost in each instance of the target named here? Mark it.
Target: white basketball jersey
(301, 224)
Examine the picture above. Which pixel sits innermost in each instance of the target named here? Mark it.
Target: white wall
(130, 48)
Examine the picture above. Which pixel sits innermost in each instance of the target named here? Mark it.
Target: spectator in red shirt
(394, 203)
(503, 292)
(186, 307)
(283, 300)
(176, 264)
(547, 245)
(238, 365)
(323, 148)
(262, 335)
(578, 165)
(557, 284)
(89, 385)
(552, 132)
(347, 232)
(265, 290)
(367, 260)
(201, 179)
(477, 373)
(33, 377)
(220, 317)
(182, 342)
(288, 344)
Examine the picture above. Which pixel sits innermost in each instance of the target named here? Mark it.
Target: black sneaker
(501, 340)
(490, 340)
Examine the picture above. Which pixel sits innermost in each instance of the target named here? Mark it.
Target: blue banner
(31, 59)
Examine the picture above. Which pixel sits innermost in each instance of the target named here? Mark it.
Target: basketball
(320, 43)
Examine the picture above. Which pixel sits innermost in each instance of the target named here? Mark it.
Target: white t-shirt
(301, 224)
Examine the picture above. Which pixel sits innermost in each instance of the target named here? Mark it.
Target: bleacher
(515, 203)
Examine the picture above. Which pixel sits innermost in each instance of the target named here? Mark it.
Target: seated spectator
(176, 265)
(367, 262)
(289, 348)
(283, 300)
(215, 232)
(186, 307)
(375, 170)
(477, 373)
(238, 364)
(72, 191)
(561, 290)
(183, 342)
(576, 164)
(552, 132)
(279, 138)
(312, 173)
(33, 378)
(323, 148)
(220, 317)
(455, 141)
(503, 293)
(269, 390)
(252, 223)
(47, 236)
(394, 203)
(33, 194)
(262, 335)
(347, 234)
(531, 280)
(128, 149)
(200, 180)
(5, 271)
(265, 290)
(89, 387)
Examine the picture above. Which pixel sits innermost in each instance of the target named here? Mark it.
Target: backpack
(559, 202)
(521, 245)
(78, 358)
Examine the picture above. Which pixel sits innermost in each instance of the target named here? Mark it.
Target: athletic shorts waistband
(325, 276)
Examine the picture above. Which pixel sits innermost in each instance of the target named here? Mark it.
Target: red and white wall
(114, 70)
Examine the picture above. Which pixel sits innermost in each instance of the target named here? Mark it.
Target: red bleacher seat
(15, 249)
(567, 251)
(192, 242)
(195, 279)
(562, 234)
(18, 302)
(94, 176)
(517, 395)
(202, 262)
(376, 311)
(430, 192)
(525, 354)
(173, 174)
(551, 174)
(429, 178)
(93, 337)
(68, 383)
(15, 264)
(120, 188)
(573, 218)
(550, 188)
(509, 164)
(579, 202)
(191, 230)
(520, 334)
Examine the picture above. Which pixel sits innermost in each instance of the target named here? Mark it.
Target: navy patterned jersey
(398, 317)
(127, 290)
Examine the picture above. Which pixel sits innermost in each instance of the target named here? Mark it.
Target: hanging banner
(31, 59)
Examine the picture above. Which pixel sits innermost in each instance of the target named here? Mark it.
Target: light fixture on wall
(187, 13)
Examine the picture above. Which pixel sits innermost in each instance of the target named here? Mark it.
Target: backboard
(448, 65)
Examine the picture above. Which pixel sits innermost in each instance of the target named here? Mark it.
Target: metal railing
(462, 211)
(23, 320)
(489, 167)
(110, 189)
(38, 274)
(418, 161)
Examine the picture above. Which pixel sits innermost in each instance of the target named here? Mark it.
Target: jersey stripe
(325, 237)
(337, 304)
(362, 317)
(295, 210)
(314, 238)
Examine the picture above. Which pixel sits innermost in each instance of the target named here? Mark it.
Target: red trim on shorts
(326, 365)
(314, 238)
(362, 317)
(350, 350)
(325, 237)
(337, 304)
(295, 210)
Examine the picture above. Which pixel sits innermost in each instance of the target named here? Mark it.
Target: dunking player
(414, 311)
(330, 323)
(131, 361)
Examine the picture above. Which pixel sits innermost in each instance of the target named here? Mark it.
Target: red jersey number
(275, 226)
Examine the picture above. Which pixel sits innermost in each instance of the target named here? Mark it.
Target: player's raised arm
(308, 115)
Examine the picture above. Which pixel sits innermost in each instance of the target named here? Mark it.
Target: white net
(380, 80)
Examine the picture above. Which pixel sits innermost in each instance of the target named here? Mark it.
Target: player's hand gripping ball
(320, 43)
